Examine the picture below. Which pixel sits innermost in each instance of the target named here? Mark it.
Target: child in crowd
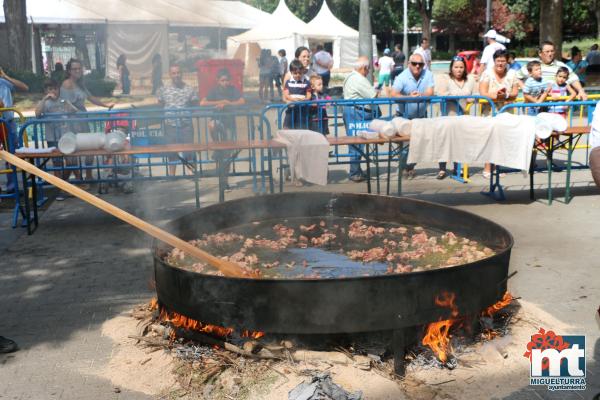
(535, 89)
(512, 61)
(297, 88)
(51, 103)
(560, 88)
(318, 112)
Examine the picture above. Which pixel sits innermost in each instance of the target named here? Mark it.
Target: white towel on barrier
(308, 154)
(504, 140)
(31, 150)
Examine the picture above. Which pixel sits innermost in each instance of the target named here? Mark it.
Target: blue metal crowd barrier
(147, 127)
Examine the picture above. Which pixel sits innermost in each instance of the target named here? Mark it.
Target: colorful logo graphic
(557, 361)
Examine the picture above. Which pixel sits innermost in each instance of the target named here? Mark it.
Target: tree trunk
(365, 41)
(597, 12)
(425, 8)
(551, 12)
(19, 48)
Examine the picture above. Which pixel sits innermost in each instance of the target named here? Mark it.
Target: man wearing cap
(386, 64)
(487, 58)
(425, 52)
(550, 67)
(323, 62)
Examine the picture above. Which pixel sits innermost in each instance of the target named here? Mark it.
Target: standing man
(425, 52)
(7, 85)
(176, 95)
(323, 62)
(414, 82)
(550, 67)
(357, 118)
(487, 58)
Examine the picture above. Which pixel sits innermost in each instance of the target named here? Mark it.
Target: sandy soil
(131, 366)
(485, 370)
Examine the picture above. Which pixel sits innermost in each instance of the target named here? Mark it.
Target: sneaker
(411, 174)
(7, 345)
(357, 178)
(441, 175)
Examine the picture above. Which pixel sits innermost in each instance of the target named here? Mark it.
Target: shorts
(180, 134)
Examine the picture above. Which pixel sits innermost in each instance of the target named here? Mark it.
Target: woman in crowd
(124, 74)
(499, 84)
(458, 83)
(302, 54)
(73, 90)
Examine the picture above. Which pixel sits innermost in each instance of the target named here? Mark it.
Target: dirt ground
(500, 361)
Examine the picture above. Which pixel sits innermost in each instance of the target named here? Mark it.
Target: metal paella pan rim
(333, 305)
(503, 243)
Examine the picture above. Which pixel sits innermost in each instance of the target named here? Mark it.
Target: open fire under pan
(396, 302)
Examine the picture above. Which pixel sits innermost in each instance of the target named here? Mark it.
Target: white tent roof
(58, 12)
(227, 16)
(117, 11)
(175, 14)
(281, 24)
(326, 25)
(193, 13)
(252, 15)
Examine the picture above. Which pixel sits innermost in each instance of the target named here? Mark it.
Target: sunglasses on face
(417, 64)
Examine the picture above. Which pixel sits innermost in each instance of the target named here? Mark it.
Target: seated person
(222, 127)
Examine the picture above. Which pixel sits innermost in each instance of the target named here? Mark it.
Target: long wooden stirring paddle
(228, 268)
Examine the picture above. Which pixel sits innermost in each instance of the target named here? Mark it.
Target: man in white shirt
(487, 58)
(425, 53)
(323, 62)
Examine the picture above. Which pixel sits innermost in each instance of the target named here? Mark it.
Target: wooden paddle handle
(226, 267)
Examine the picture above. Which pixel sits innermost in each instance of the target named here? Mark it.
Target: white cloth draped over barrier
(505, 140)
(308, 154)
(139, 43)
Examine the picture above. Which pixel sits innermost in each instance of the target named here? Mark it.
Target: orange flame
(437, 335)
(181, 321)
(493, 309)
(153, 304)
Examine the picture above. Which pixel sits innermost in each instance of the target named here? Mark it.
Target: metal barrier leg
(376, 153)
(531, 172)
(196, 180)
(568, 179)
(549, 166)
(389, 168)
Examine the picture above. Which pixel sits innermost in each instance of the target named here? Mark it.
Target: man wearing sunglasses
(413, 82)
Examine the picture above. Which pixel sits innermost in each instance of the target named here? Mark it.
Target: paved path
(83, 267)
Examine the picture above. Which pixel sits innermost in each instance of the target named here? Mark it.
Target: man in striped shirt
(550, 68)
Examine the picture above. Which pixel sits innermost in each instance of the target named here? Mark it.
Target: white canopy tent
(58, 12)
(228, 14)
(282, 30)
(327, 28)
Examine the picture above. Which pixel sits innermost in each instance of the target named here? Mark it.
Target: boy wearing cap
(487, 58)
(386, 64)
